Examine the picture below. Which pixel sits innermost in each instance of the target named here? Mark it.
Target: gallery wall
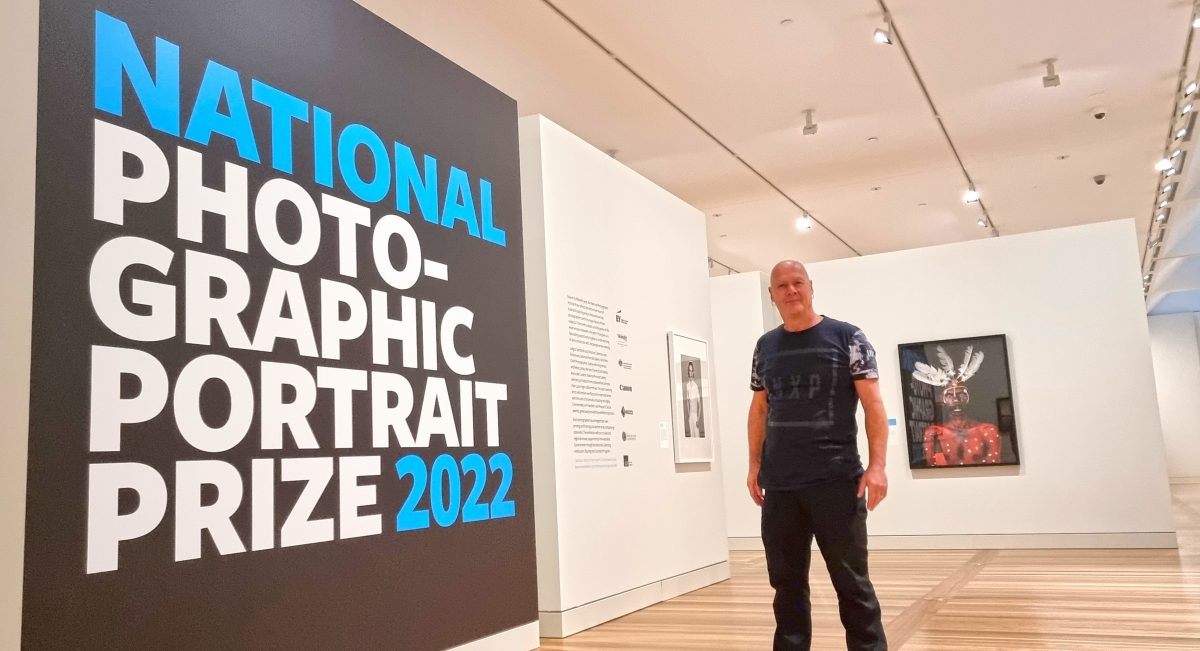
(1092, 471)
(1175, 344)
(618, 263)
(741, 312)
(18, 77)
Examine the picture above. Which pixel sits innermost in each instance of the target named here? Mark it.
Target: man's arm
(756, 428)
(874, 480)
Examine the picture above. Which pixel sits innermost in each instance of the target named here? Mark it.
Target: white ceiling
(722, 76)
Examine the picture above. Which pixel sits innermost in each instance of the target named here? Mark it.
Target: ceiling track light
(1184, 131)
(1163, 165)
(1190, 90)
(883, 35)
(810, 127)
(804, 223)
(1051, 78)
(971, 195)
(981, 221)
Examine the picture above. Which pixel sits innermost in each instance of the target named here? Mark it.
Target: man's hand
(756, 493)
(874, 485)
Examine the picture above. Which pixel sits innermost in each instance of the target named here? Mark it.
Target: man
(808, 376)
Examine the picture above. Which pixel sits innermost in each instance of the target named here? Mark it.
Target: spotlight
(981, 221)
(1166, 188)
(1196, 24)
(1162, 165)
(1169, 172)
(1191, 88)
(1176, 153)
(971, 195)
(804, 223)
(1162, 216)
(1051, 79)
(1187, 109)
(1188, 123)
(810, 127)
(1162, 204)
(883, 36)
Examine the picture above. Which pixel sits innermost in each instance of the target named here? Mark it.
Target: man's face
(791, 290)
(955, 396)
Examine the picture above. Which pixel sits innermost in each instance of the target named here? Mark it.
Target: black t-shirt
(812, 435)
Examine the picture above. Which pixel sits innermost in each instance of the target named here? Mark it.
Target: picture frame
(958, 403)
(691, 398)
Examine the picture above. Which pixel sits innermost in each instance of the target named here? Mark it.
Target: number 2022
(445, 483)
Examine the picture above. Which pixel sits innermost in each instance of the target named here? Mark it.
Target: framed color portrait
(958, 403)
(691, 398)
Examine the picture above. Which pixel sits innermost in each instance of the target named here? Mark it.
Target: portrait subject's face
(955, 396)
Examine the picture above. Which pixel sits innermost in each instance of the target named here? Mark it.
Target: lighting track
(1149, 259)
(899, 40)
(612, 55)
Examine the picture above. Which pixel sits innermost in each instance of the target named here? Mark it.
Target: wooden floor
(955, 600)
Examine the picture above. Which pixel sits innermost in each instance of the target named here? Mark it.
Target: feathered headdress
(947, 374)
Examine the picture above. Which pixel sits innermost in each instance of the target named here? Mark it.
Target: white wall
(1092, 461)
(1175, 344)
(597, 230)
(741, 313)
(18, 78)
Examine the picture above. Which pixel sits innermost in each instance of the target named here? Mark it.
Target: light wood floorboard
(954, 601)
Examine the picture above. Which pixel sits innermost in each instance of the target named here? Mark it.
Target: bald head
(791, 291)
(785, 267)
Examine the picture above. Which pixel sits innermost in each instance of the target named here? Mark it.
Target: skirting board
(520, 638)
(1141, 540)
(569, 622)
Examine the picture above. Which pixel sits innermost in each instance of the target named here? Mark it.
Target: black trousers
(837, 517)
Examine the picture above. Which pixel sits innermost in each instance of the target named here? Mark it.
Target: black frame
(983, 407)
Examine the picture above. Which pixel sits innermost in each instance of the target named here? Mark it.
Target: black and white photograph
(691, 391)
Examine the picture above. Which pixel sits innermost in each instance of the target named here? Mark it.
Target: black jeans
(835, 514)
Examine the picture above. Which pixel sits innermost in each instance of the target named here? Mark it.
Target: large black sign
(279, 385)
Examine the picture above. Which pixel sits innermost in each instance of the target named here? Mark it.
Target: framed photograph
(958, 403)
(691, 398)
